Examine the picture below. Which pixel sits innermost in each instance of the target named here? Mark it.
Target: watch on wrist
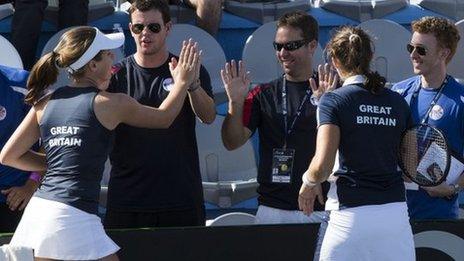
(457, 188)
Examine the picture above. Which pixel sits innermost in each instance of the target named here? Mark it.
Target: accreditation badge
(282, 165)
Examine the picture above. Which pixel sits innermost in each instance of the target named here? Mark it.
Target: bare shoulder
(40, 105)
(113, 101)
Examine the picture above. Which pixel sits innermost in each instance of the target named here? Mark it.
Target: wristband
(194, 86)
(314, 100)
(35, 177)
(307, 182)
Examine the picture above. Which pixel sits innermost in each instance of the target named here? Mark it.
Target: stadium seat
(10, 56)
(453, 9)
(213, 56)
(362, 10)
(6, 10)
(264, 11)
(259, 55)
(63, 75)
(455, 67)
(181, 14)
(229, 177)
(390, 60)
(97, 10)
(233, 219)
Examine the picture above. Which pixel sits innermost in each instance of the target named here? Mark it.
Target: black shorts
(175, 218)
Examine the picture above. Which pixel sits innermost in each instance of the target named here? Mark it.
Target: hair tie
(55, 61)
(353, 37)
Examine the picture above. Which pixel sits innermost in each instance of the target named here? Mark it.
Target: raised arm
(112, 109)
(202, 104)
(236, 82)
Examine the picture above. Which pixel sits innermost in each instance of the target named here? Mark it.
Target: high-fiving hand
(328, 80)
(236, 81)
(185, 69)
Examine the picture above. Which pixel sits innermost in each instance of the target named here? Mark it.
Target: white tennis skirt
(373, 232)
(59, 231)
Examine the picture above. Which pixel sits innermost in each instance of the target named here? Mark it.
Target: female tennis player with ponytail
(364, 121)
(75, 124)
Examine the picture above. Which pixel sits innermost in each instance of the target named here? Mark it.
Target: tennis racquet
(425, 155)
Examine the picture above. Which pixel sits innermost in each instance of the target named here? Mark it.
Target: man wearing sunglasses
(208, 12)
(433, 91)
(285, 117)
(155, 179)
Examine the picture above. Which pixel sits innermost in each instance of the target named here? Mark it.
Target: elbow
(229, 146)
(209, 118)
(4, 159)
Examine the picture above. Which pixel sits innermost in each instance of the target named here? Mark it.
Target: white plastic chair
(213, 56)
(228, 177)
(233, 219)
(10, 56)
(16, 253)
(390, 60)
(260, 57)
(456, 66)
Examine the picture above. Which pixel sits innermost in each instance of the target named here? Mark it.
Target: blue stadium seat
(453, 9)
(97, 10)
(264, 11)
(362, 10)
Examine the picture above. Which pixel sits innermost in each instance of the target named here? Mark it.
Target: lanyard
(288, 131)
(435, 99)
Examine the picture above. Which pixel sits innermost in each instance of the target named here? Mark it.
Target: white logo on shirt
(436, 113)
(2, 113)
(168, 84)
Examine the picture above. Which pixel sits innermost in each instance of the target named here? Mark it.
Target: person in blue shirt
(75, 124)
(15, 186)
(433, 44)
(364, 121)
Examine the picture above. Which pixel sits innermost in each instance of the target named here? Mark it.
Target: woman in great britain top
(75, 123)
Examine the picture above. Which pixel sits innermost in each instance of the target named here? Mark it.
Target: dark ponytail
(375, 82)
(43, 74)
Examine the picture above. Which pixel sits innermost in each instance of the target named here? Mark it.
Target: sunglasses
(420, 50)
(290, 46)
(153, 27)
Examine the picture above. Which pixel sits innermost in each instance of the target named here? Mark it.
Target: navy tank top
(77, 146)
